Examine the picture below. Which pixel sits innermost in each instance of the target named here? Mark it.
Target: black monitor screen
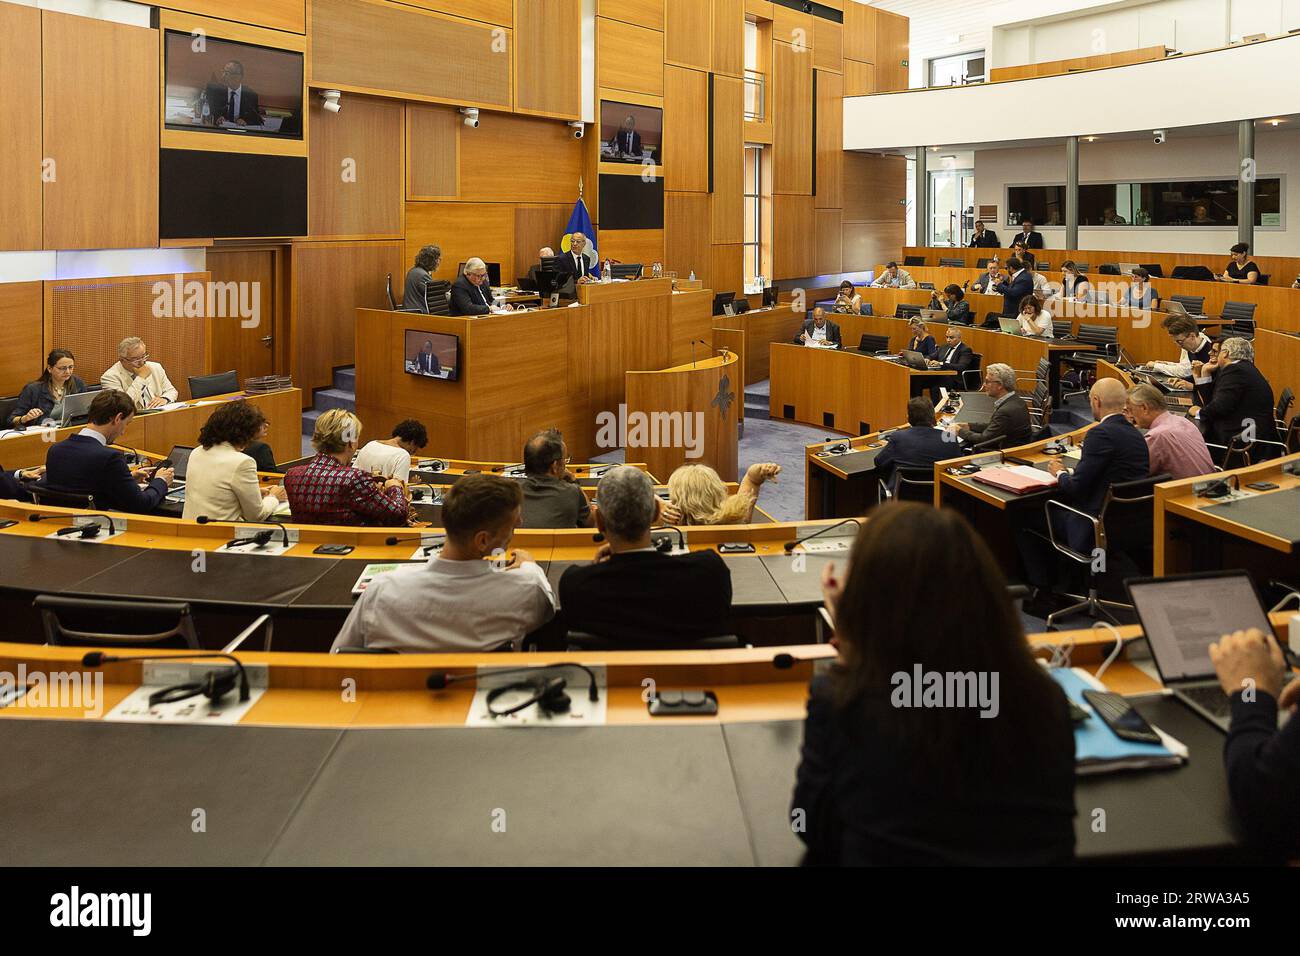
(235, 88)
(493, 270)
(432, 355)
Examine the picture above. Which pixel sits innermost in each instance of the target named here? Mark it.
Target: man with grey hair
(415, 295)
(634, 594)
(471, 293)
(577, 264)
(552, 498)
(1242, 403)
(1174, 443)
(1009, 425)
(145, 382)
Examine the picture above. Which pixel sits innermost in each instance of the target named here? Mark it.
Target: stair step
(328, 398)
(345, 379)
(309, 420)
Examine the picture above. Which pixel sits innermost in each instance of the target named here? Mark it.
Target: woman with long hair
(43, 398)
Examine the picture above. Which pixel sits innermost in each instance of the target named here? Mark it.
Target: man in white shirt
(894, 278)
(1194, 343)
(391, 457)
(458, 601)
(145, 382)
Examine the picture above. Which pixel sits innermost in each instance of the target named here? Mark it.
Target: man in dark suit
(83, 464)
(1009, 424)
(575, 264)
(1031, 239)
(955, 356)
(633, 593)
(819, 330)
(11, 484)
(628, 140)
(919, 446)
(1018, 284)
(231, 101)
(1241, 401)
(983, 238)
(471, 294)
(426, 361)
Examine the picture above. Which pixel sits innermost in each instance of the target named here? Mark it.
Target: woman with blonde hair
(328, 490)
(698, 496)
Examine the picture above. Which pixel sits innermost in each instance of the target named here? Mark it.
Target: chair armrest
(1065, 548)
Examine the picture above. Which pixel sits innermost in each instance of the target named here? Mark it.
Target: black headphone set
(214, 685)
(82, 532)
(546, 692)
(436, 464)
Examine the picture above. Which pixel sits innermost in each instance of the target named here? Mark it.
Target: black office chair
(982, 263)
(1154, 269)
(1109, 269)
(914, 260)
(52, 497)
(1262, 279)
(871, 344)
(95, 622)
(585, 641)
(973, 377)
(991, 320)
(1062, 329)
(1105, 339)
(1292, 433)
(1239, 319)
(363, 650)
(1122, 533)
(914, 483)
(438, 295)
(952, 263)
(388, 291)
(1043, 266)
(221, 383)
(7, 406)
(1194, 304)
(1284, 403)
(1082, 267)
(1192, 273)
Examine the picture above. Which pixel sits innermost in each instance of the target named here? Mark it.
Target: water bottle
(606, 273)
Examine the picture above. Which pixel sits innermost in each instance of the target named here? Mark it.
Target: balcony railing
(755, 88)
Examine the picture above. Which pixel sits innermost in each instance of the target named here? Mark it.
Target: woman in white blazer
(220, 480)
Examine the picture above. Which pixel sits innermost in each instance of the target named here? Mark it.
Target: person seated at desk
(1141, 294)
(83, 464)
(1242, 401)
(1194, 343)
(426, 360)
(918, 446)
(552, 497)
(43, 398)
(530, 281)
(328, 490)
(953, 301)
(894, 278)
(848, 301)
(1241, 268)
(415, 293)
(986, 283)
(1021, 252)
(1109, 217)
(229, 101)
(391, 457)
(697, 495)
(1020, 283)
(627, 142)
(577, 263)
(1202, 384)
(884, 781)
(471, 293)
(955, 356)
(921, 340)
(1174, 443)
(459, 602)
(12, 483)
(1009, 425)
(1034, 319)
(145, 382)
(220, 480)
(819, 332)
(261, 452)
(984, 238)
(1042, 288)
(1027, 237)
(1201, 216)
(633, 592)
(1074, 284)
(1263, 763)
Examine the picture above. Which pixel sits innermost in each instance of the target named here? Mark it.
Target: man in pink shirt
(1174, 443)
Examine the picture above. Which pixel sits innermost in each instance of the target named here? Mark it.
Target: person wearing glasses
(43, 398)
(145, 382)
(552, 498)
(230, 102)
(471, 293)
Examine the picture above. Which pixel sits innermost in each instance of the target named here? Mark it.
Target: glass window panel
(1178, 203)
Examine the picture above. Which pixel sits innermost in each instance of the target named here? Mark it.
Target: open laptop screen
(1183, 615)
(180, 459)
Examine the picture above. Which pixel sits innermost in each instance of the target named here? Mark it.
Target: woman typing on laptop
(43, 398)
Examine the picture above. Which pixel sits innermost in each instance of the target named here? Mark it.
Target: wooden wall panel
(830, 140)
(860, 30)
(686, 33)
(20, 130)
(331, 280)
(290, 15)
(489, 11)
(432, 152)
(354, 160)
(728, 160)
(891, 51)
(729, 268)
(873, 187)
(859, 78)
(23, 357)
(91, 316)
(828, 257)
(105, 191)
(828, 45)
(535, 227)
(867, 243)
(519, 159)
(792, 139)
(629, 57)
(793, 237)
(686, 235)
(729, 37)
(645, 246)
(686, 128)
(462, 230)
(793, 27)
(375, 47)
(548, 57)
(644, 13)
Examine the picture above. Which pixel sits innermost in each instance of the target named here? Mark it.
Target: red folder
(1017, 479)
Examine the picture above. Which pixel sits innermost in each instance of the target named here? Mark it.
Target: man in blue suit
(83, 464)
(1014, 289)
(919, 446)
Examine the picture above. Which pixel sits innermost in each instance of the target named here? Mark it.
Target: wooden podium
(684, 416)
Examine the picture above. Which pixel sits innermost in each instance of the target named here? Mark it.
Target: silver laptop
(913, 359)
(934, 315)
(76, 407)
(1174, 307)
(1182, 616)
(1009, 325)
(1128, 267)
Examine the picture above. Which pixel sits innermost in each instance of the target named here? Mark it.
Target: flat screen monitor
(626, 270)
(236, 89)
(720, 302)
(432, 355)
(630, 133)
(770, 295)
(494, 272)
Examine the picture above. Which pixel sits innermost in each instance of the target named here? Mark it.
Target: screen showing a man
(223, 86)
(630, 133)
(432, 355)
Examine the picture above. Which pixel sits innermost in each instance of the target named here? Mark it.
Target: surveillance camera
(331, 98)
(577, 127)
(1159, 135)
(470, 115)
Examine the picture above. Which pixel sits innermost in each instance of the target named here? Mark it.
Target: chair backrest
(1062, 329)
(1194, 304)
(952, 263)
(1109, 269)
(1098, 334)
(1042, 266)
(866, 309)
(42, 495)
(872, 344)
(1128, 515)
(1293, 436)
(438, 293)
(914, 260)
(982, 263)
(584, 641)
(1235, 311)
(221, 383)
(388, 290)
(1284, 402)
(1154, 269)
(1261, 279)
(91, 622)
(914, 483)
(1082, 267)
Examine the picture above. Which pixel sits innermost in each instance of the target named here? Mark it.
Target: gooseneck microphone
(439, 680)
(791, 545)
(214, 685)
(84, 531)
(261, 539)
